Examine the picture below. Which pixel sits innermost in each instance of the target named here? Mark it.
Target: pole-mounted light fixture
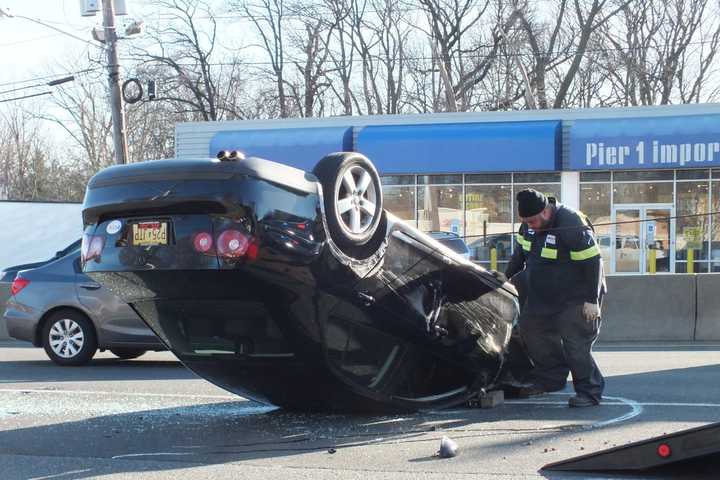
(60, 81)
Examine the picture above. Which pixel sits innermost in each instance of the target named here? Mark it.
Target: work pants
(562, 343)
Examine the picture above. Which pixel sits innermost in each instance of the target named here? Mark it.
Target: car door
(116, 322)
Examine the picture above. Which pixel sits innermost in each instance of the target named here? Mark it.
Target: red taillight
(664, 450)
(232, 244)
(18, 284)
(91, 248)
(202, 242)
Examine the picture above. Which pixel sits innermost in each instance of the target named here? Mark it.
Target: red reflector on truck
(664, 450)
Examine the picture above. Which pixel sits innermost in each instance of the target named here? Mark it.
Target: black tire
(61, 350)
(127, 353)
(343, 230)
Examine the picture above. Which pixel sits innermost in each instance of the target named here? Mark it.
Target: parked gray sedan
(57, 307)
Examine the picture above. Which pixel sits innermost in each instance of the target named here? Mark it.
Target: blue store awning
(462, 147)
(299, 147)
(645, 143)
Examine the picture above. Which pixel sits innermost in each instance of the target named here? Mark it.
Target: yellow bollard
(691, 260)
(652, 265)
(493, 259)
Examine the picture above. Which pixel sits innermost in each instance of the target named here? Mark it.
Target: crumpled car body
(295, 319)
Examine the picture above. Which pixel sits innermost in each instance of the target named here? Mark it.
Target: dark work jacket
(562, 263)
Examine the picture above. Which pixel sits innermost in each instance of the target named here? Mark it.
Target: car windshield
(455, 244)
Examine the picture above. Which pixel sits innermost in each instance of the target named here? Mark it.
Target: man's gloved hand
(591, 311)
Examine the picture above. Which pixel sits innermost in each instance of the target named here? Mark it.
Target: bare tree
(151, 130)
(181, 59)
(31, 165)
(83, 113)
(559, 47)
(341, 52)
(663, 50)
(312, 42)
(466, 47)
(269, 18)
(365, 44)
(392, 35)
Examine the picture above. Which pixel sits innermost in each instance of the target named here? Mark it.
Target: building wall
(33, 231)
(605, 157)
(192, 139)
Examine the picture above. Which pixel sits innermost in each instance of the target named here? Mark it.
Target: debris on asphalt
(448, 448)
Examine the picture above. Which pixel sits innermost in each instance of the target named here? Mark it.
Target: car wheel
(127, 353)
(69, 338)
(352, 197)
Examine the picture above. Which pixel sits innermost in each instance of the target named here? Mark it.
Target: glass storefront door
(639, 233)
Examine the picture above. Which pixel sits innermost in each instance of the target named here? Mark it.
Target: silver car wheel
(66, 338)
(356, 200)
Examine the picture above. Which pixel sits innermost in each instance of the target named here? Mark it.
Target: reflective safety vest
(562, 263)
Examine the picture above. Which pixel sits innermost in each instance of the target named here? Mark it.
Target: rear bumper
(21, 321)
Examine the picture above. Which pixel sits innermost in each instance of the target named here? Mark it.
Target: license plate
(150, 233)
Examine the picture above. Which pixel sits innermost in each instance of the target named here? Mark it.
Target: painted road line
(617, 403)
(637, 409)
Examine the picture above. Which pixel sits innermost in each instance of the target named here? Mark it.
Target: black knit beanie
(530, 202)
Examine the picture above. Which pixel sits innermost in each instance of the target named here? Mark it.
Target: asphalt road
(150, 418)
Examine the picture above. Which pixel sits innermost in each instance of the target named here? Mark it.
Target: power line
(29, 40)
(4, 92)
(56, 75)
(40, 22)
(26, 96)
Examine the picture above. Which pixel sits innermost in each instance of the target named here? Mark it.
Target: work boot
(580, 401)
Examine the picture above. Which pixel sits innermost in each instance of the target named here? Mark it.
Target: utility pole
(116, 99)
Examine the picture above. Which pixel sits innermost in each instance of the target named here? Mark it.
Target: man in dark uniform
(564, 282)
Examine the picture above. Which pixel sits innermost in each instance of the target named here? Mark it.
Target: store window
(440, 208)
(594, 176)
(400, 201)
(595, 203)
(439, 179)
(488, 216)
(715, 224)
(537, 177)
(398, 180)
(643, 175)
(692, 227)
(650, 192)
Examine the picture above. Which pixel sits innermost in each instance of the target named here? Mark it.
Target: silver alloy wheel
(66, 338)
(355, 201)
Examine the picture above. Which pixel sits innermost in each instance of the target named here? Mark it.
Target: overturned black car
(296, 289)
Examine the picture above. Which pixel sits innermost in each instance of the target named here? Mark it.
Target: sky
(29, 50)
